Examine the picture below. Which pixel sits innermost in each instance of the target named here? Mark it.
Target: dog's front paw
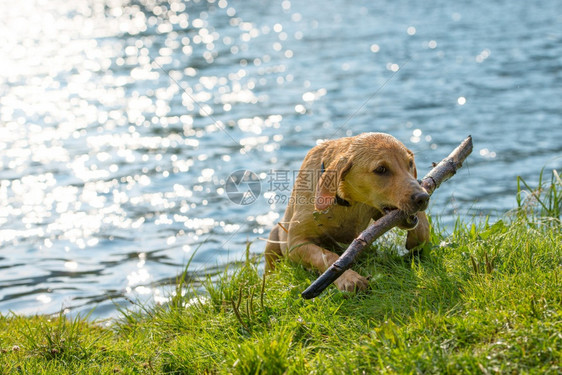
(351, 281)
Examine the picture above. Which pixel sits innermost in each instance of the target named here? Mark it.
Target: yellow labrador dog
(341, 186)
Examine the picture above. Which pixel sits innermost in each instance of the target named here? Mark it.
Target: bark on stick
(440, 173)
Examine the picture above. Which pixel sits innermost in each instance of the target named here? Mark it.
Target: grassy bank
(484, 299)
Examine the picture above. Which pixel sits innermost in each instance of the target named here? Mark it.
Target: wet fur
(315, 222)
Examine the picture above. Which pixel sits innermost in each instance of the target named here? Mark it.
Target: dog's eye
(380, 170)
(411, 163)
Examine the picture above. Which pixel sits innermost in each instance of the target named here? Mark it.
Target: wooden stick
(440, 173)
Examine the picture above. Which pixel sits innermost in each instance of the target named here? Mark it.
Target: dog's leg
(318, 258)
(420, 234)
(272, 249)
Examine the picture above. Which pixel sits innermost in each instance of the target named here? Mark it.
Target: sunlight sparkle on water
(44, 298)
(487, 154)
(85, 131)
(71, 265)
(416, 136)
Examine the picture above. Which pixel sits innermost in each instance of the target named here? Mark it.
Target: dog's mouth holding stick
(410, 222)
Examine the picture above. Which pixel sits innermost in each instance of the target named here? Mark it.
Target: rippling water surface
(120, 122)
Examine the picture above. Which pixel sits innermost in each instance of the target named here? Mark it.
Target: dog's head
(377, 170)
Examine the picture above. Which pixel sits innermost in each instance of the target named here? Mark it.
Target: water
(120, 122)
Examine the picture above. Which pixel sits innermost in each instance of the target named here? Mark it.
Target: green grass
(485, 299)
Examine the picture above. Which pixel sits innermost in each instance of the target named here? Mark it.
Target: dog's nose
(420, 200)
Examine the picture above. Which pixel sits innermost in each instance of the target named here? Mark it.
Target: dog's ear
(329, 181)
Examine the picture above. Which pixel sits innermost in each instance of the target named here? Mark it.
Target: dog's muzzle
(419, 200)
